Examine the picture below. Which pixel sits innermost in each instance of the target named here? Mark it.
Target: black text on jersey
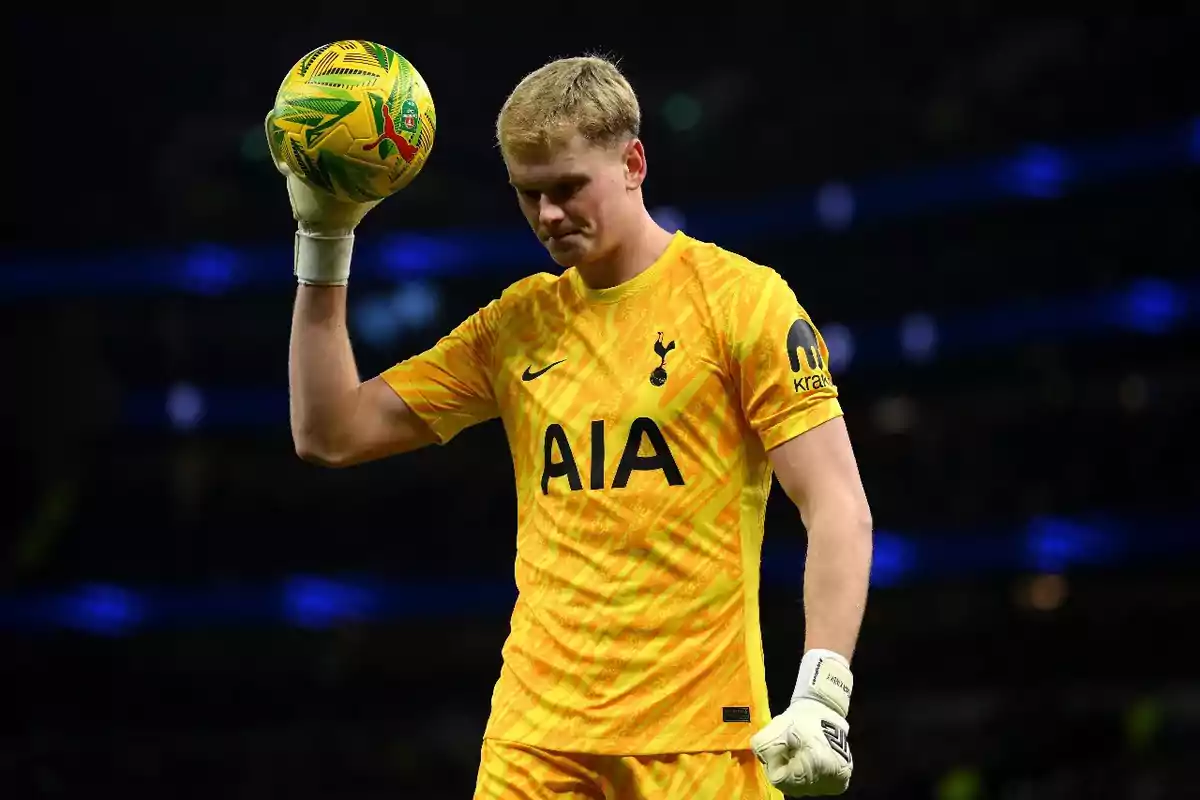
(558, 457)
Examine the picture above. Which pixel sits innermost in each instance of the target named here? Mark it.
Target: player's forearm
(836, 575)
(322, 376)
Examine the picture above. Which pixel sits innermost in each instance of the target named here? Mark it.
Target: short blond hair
(587, 95)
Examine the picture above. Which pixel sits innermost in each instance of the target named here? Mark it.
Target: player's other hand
(318, 213)
(805, 750)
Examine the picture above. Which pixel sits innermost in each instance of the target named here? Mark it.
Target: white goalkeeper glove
(804, 750)
(324, 227)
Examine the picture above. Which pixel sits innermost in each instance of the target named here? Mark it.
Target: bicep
(819, 472)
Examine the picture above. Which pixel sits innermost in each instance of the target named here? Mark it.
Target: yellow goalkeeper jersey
(639, 419)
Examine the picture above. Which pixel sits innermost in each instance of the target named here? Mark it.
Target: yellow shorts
(511, 771)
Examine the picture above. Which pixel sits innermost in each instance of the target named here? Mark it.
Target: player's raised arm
(336, 419)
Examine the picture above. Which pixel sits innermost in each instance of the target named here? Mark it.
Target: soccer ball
(353, 118)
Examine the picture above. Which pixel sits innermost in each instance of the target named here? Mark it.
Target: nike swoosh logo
(528, 376)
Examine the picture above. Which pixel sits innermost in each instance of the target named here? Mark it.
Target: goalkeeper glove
(324, 230)
(804, 750)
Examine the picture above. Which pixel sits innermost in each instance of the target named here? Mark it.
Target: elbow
(854, 534)
(319, 458)
(844, 522)
(312, 450)
(857, 509)
(863, 524)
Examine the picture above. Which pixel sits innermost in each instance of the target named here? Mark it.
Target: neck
(632, 256)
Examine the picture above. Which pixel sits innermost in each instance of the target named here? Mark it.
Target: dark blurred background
(993, 218)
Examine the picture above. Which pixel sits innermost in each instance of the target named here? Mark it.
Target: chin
(568, 253)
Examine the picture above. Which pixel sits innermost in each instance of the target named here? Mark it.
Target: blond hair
(587, 95)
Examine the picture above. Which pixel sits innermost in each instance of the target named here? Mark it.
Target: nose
(549, 214)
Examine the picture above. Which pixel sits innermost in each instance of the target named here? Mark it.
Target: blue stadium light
(835, 206)
(101, 609)
(210, 269)
(314, 602)
(919, 337)
(1038, 171)
(455, 252)
(185, 407)
(413, 255)
(1054, 544)
(1152, 306)
(840, 341)
(893, 559)
(381, 319)
(374, 322)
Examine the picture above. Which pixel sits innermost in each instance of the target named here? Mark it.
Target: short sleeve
(449, 386)
(780, 361)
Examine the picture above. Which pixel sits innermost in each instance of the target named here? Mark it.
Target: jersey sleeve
(449, 386)
(780, 361)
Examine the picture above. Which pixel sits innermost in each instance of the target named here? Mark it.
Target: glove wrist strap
(323, 260)
(825, 676)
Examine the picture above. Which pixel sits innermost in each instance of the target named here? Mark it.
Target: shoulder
(523, 295)
(738, 289)
(531, 286)
(723, 270)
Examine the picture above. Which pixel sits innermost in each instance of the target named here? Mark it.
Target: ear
(635, 164)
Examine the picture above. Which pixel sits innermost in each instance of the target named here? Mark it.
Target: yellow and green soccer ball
(355, 119)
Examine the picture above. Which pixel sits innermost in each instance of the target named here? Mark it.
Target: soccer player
(649, 392)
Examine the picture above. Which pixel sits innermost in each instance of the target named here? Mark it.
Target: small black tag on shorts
(735, 714)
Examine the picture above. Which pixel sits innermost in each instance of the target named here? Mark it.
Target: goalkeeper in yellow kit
(649, 391)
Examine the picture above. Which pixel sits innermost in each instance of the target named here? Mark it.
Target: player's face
(579, 196)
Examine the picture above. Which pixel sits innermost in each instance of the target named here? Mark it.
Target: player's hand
(318, 213)
(805, 750)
